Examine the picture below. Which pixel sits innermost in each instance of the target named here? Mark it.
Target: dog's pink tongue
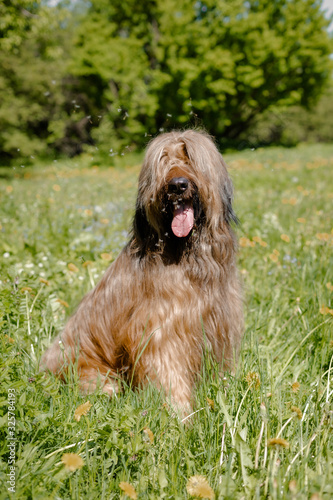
(182, 222)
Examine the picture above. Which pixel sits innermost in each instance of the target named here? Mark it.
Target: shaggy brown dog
(173, 291)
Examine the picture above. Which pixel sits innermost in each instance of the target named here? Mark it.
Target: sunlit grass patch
(263, 432)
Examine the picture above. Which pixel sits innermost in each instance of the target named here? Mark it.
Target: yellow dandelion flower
(87, 263)
(72, 267)
(278, 442)
(289, 201)
(82, 410)
(273, 257)
(9, 189)
(106, 256)
(285, 238)
(292, 485)
(276, 252)
(253, 379)
(244, 242)
(9, 339)
(329, 286)
(298, 412)
(295, 387)
(323, 236)
(301, 220)
(26, 289)
(325, 310)
(87, 211)
(56, 187)
(104, 221)
(46, 282)
(128, 489)
(62, 302)
(211, 403)
(315, 496)
(72, 461)
(263, 243)
(149, 433)
(199, 486)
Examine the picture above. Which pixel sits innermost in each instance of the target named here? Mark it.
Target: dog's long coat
(173, 290)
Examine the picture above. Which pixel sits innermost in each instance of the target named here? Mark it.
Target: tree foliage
(125, 69)
(32, 56)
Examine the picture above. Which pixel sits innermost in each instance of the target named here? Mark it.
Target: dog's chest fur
(163, 308)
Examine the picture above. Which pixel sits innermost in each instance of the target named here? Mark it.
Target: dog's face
(183, 187)
(177, 208)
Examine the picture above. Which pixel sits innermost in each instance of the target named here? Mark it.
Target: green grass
(55, 215)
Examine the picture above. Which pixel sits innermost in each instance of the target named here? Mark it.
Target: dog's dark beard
(171, 246)
(147, 241)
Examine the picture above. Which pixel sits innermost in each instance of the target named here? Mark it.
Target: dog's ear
(140, 224)
(227, 197)
(142, 231)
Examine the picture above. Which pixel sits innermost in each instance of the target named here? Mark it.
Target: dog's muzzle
(183, 214)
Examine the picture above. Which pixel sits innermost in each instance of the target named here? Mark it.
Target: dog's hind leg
(59, 359)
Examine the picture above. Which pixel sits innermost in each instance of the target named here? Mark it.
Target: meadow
(265, 432)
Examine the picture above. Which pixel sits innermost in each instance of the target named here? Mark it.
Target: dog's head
(183, 187)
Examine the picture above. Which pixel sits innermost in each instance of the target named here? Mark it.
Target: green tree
(110, 72)
(156, 64)
(290, 125)
(32, 57)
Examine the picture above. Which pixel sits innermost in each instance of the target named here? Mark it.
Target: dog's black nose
(178, 185)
